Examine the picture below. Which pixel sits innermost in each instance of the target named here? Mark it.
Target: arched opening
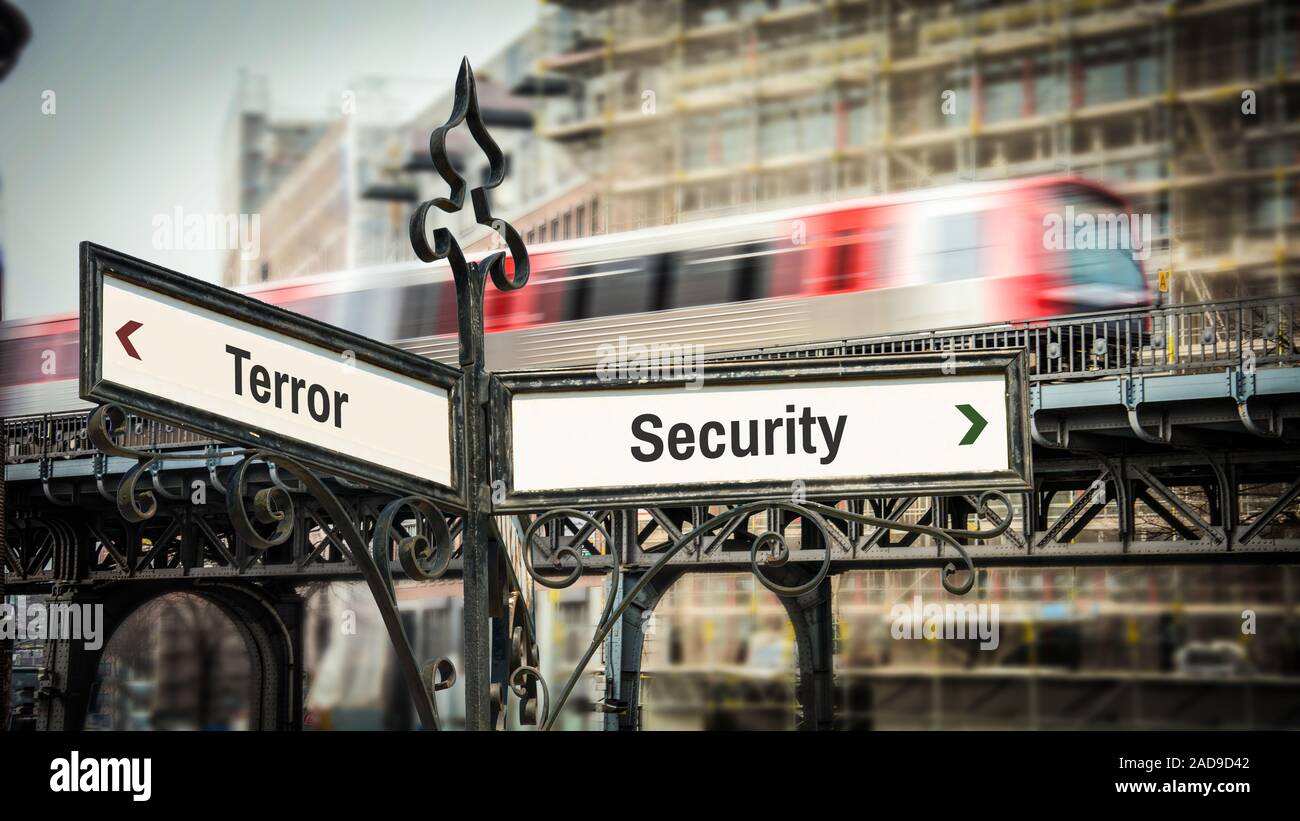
(177, 662)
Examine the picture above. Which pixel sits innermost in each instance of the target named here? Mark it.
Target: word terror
(801, 432)
(289, 392)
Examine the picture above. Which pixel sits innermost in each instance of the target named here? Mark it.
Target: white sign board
(892, 426)
(208, 367)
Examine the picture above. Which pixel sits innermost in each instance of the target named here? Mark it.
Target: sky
(142, 90)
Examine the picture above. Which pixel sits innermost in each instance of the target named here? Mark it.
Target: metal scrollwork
(271, 506)
(777, 553)
(440, 674)
(563, 552)
(424, 554)
(465, 110)
(983, 511)
(134, 504)
(530, 712)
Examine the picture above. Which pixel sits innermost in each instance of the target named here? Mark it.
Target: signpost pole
(475, 533)
(471, 283)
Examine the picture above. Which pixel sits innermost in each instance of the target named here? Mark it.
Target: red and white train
(939, 258)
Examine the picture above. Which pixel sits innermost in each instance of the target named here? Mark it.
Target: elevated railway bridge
(1163, 435)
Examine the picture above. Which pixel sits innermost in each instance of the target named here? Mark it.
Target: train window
(370, 312)
(550, 290)
(1101, 277)
(578, 305)
(446, 306)
(752, 275)
(952, 245)
(417, 313)
(705, 277)
(620, 286)
(661, 265)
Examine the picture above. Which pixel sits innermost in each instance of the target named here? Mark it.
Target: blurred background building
(620, 115)
(335, 192)
(686, 109)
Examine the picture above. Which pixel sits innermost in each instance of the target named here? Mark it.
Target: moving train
(959, 256)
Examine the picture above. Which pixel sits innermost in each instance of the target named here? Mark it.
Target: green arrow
(977, 424)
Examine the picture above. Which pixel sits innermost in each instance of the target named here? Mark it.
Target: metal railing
(1198, 337)
(63, 435)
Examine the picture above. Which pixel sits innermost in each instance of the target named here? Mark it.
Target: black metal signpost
(471, 282)
(148, 337)
(170, 346)
(260, 379)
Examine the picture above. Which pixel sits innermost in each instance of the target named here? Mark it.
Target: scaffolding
(682, 110)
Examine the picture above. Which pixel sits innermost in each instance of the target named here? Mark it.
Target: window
(1003, 87)
(857, 127)
(752, 273)
(620, 286)
(795, 126)
(418, 314)
(704, 277)
(951, 247)
(568, 225)
(1102, 276)
(581, 218)
(1050, 88)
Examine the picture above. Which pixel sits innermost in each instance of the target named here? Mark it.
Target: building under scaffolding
(683, 109)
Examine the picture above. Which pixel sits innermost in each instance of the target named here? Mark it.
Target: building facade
(681, 110)
(339, 196)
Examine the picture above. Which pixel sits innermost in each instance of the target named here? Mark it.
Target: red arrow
(122, 336)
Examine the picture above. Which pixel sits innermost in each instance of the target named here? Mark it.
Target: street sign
(942, 423)
(242, 371)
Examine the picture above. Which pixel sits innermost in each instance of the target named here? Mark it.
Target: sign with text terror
(242, 371)
(922, 423)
